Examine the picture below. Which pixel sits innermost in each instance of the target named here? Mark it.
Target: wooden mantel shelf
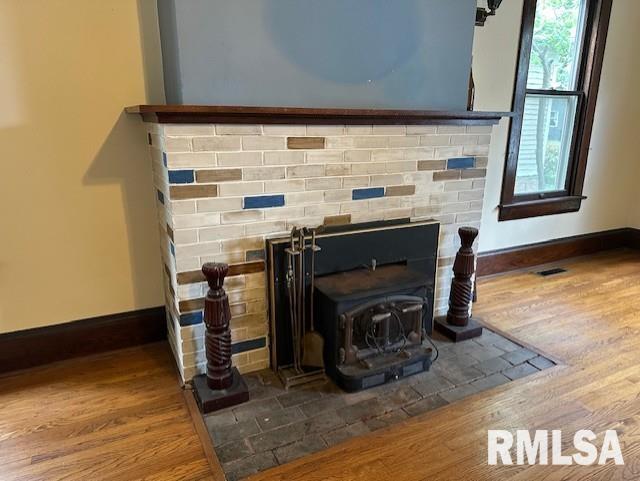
(206, 114)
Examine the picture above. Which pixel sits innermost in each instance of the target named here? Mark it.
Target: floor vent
(551, 272)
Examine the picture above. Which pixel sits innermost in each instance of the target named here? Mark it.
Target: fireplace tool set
(307, 343)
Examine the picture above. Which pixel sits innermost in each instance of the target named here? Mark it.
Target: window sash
(515, 206)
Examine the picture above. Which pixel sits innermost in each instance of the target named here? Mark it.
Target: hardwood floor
(122, 416)
(114, 416)
(589, 319)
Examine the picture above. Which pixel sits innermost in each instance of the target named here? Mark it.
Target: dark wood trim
(34, 347)
(597, 22)
(521, 257)
(207, 114)
(537, 208)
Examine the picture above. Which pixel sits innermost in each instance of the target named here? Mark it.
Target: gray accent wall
(406, 54)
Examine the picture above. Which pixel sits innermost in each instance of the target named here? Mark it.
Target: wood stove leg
(222, 386)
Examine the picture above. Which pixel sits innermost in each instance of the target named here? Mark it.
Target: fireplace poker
(313, 343)
(292, 293)
(301, 294)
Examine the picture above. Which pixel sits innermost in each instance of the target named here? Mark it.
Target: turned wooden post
(222, 385)
(217, 316)
(464, 267)
(458, 325)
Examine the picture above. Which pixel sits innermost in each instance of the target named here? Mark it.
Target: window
(561, 51)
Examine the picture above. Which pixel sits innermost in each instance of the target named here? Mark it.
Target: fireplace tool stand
(305, 367)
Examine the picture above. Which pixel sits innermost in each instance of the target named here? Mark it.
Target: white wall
(613, 159)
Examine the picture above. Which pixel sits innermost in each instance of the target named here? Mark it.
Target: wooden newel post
(458, 324)
(222, 386)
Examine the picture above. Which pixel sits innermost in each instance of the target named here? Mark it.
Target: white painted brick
(176, 144)
(277, 186)
(284, 157)
(301, 198)
(323, 130)
(357, 156)
(447, 152)
(183, 207)
(324, 156)
(354, 206)
(455, 208)
(338, 169)
(468, 216)
(263, 173)
(464, 140)
(389, 130)
(189, 129)
(358, 217)
(185, 236)
(243, 245)
(384, 180)
(359, 129)
(404, 141)
(397, 213)
(457, 185)
(283, 213)
(385, 155)
(324, 183)
(451, 129)
(192, 160)
(356, 181)
(195, 220)
(471, 195)
(435, 140)
(404, 166)
(339, 143)
(200, 249)
(239, 159)
(231, 129)
(375, 142)
(227, 258)
(479, 184)
(337, 195)
(476, 150)
(286, 130)
(419, 153)
(305, 171)
(421, 129)
(479, 129)
(369, 168)
(263, 143)
(443, 198)
(241, 216)
(186, 265)
(270, 227)
(228, 189)
(322, 209)
(221, 232)
(219, 204)
(382, 203)
(214, 144)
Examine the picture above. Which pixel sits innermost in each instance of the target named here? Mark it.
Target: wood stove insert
(374, 298)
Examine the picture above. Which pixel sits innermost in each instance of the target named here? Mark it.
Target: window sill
(538, 208)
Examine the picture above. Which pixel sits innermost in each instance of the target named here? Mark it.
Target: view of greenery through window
(549, 117)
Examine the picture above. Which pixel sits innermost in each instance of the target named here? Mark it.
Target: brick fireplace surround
(223, 188)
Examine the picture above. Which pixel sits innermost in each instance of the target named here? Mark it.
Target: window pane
(545, 143)
(557, 40)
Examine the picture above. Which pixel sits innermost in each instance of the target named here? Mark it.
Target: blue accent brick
(180, 176)
(263, 201)
(461, 163)
(191, 318)
(172, 249)
(370, 193)
(160, 196)
(250, 345)
(164, 158)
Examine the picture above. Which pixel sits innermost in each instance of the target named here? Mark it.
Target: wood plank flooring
(114, 416)
(122, 415)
